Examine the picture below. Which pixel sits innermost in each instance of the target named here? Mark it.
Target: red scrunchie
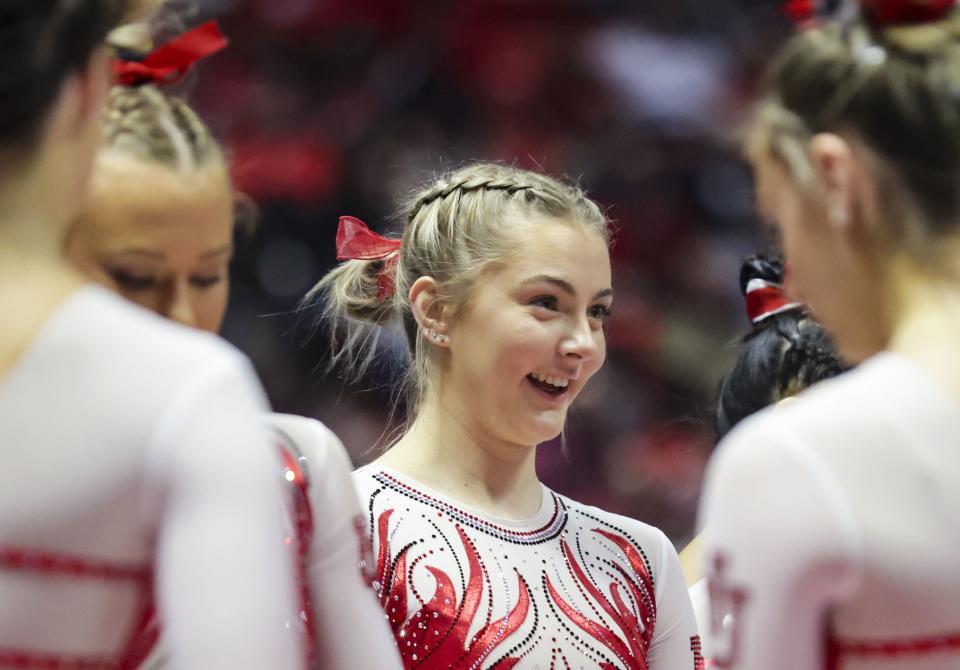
(765, 299)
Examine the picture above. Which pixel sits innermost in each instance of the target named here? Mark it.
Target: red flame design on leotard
(437, 633)
(637, 630)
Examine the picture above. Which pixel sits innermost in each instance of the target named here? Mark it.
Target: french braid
(454, 228)
(158, 128)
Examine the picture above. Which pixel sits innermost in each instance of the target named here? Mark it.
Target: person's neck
(31, 246)
(927, 308)
(447, 451)
(34, 277)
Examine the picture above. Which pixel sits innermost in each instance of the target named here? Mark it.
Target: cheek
(147, 298)
(79, 254)
(519, 349)
(504, 347)
(791, 231)
(801, 248)
(601, 356)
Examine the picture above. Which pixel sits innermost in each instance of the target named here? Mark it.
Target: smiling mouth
(551, 386)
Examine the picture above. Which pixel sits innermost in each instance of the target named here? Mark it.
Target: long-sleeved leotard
(134, 463)
(338, 618)
(831, 528)
(573, 587)
(349, 627)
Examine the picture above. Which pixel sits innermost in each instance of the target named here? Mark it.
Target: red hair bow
(765, 299)
(355, 241)
(878, 12)
(170, 62)
(889, 12)
(800, 11)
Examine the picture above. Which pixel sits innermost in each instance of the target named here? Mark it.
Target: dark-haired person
(168, 250)
(785, 352)
(831, 524)
(135, 479)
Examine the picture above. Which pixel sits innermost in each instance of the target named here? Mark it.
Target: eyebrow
(566, 286)
(225, 249)
(159, 255)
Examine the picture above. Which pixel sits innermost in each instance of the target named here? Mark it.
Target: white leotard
(831, 528)
(351, 629)
(132, 454)
(572, 588)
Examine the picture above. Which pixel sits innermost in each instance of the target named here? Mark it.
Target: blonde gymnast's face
(160, 239)
(532, 333)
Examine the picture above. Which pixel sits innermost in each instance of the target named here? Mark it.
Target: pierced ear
(429, 311)
(833, 162)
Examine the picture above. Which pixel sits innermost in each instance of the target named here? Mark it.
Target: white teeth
(552, 380)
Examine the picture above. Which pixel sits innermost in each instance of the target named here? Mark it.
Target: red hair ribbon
(355, 241)
(765, 299)
(169, 63)
(800, 11)
(891, 12)
(879, 13)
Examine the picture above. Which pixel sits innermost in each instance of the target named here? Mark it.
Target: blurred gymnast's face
(532, 333)
(830, 264)
(158, 238)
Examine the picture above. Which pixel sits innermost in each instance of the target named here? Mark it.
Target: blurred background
(331, 107)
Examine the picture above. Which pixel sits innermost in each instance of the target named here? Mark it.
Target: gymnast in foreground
(830, 524)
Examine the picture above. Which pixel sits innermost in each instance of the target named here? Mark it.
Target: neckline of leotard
(544, 525)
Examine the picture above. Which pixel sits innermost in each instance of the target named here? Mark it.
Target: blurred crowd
(333, 107)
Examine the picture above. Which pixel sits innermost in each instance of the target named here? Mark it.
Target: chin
(544, 431)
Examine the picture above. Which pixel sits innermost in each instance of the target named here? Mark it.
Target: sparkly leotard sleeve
(349, 628)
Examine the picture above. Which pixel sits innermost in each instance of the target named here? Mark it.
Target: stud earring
(838, 214)
(437, 337)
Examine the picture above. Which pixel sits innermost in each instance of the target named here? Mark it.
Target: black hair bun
(761, 267)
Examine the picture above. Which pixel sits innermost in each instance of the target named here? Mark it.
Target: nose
(580, 342)
(179, 305)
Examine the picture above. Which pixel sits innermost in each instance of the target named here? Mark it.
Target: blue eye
(600, 312)
(546, 302)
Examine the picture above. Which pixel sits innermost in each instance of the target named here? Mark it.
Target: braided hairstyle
(783, 354)
(153, 123)
(453, 229)
(156, 127)
(43, 42)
